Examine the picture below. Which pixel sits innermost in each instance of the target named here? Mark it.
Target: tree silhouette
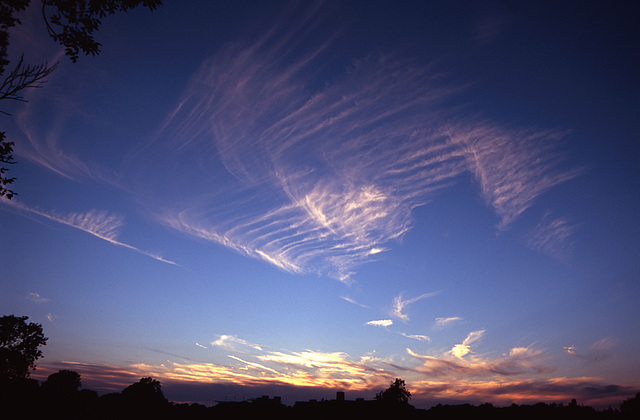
(630, 408)
(147, 391)
(20, 344)
(71, 23)
(61, 395)
(396, 394)
(63, 382)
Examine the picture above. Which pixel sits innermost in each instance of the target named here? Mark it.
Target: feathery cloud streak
(313, 175)
(99, 223)
(324, 179)
(399, 305)
(35, 297)
(597, 352)
(445, 322)
(552, 237)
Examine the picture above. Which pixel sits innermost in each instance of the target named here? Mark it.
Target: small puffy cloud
(201, 346)
(460, 350)
(380, 323)
(51, 317)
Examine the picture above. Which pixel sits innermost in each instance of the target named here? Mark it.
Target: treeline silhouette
(60, 397)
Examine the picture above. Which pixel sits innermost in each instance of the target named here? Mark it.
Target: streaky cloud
(231, 342)
(35, 297)
(99, 223)
(552, 237)
(598, 352)
(354, 302)
(512, 166)
(418, 337)
(46, 148)
(399, 304)
(311, 175)
(445, 322)
(519, 361)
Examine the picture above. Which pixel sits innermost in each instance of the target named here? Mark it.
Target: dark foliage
(20, 344)
(72, 23)
(6, 156)
(397, 394)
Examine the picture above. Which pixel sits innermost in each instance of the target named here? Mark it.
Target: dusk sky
(246, 198)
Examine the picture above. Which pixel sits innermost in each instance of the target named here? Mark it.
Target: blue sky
(248, 198)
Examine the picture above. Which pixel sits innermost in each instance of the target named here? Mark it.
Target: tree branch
(24, 76)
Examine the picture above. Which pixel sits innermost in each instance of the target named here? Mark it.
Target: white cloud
(35, 297)
(352, 301)
(445, 322)
(461, 350)
(452, 364)
(513, 166)
(399, 305)
(376, 142)
(380, 323)
(231, 342)
(416, 337)
(99, 223)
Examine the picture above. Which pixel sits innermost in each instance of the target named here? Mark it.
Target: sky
(297, 198)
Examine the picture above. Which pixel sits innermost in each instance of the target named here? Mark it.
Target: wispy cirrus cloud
(375, 143)
(418, 337)
(353, 301)
(462, 361)
(400, 304)
(35, 297)
(310, 174)
(43, 144)
(231, 342)
(598, 352)
(552, 237)
(446, 321)
(99, 223)
(512, 166)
